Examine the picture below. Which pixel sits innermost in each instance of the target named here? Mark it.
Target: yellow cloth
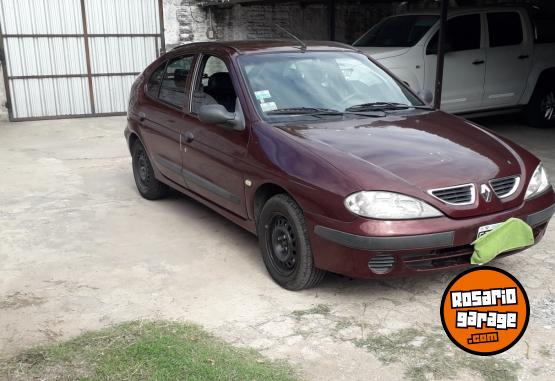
(510, 235)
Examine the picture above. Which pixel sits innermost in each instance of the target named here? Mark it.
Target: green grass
(319, 309)
(143, 350)
(429, 355)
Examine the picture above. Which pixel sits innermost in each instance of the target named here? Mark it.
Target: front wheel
(283, 239)
(541, 109)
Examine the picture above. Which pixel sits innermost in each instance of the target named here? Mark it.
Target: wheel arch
(266, 191)
(545, 75)
(133, 137)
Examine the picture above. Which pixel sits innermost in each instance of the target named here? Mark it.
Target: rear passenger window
(153, 85)
(505, 29)
(173, 89)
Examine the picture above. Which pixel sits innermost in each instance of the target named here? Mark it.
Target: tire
(541, 109)
(147, 184)
(285, 246)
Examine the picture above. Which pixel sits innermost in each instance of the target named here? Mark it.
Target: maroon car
(334, 163)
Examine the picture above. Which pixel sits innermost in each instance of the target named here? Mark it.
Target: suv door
(509, 56)
(161, 115)
(213, 155)
(464, 72)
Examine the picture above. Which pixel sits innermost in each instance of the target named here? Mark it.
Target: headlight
(538, 183)
(389, 206)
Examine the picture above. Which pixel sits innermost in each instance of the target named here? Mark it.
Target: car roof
(264, 46)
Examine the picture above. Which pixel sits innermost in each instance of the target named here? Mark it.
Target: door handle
(142, 116)
(189, 137)
(478, 62)
(523, 57)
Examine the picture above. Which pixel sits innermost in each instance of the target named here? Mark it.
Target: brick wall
(189, 23)
(308, 21)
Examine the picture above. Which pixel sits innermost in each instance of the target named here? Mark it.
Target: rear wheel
(285, 246)
(541, 109)
(149, 187)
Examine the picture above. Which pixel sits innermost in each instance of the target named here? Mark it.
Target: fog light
(381, 264)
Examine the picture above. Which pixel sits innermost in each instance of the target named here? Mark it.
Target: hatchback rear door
(162, 113)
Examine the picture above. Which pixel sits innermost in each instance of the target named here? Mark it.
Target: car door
(509, 56)
(213, 154)
(464, 71)
(162, 114)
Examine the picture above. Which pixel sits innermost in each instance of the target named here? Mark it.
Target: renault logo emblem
(486, 193)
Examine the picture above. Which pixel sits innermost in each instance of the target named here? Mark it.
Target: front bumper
(371, 248)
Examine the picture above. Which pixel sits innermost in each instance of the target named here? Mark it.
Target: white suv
(497, 59)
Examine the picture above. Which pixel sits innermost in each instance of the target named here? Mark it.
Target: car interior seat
(180, 78)
(221, 89)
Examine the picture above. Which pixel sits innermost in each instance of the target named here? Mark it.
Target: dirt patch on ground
(18, 300)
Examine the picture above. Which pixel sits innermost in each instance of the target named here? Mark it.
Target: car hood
(412, 153)
(382, 53)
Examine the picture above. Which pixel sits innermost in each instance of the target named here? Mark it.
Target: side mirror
(217, 114)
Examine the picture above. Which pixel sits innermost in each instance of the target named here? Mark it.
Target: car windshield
(398, 31)
(322, 83)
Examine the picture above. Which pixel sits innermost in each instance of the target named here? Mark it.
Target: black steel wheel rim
(281, 242)
(142, 168)
(548, 106)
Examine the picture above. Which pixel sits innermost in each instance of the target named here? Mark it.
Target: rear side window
(505, 29)
(173, 89)
(153, 85)
(463, 33)
(543, 27)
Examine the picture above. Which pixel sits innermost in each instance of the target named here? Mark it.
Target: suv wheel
(149, 187)
(283, 239)
(541, 110)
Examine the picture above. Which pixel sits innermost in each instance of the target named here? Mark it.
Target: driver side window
(214, 86)
(463, 33)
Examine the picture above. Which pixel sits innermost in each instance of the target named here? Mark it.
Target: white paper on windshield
(262, 95)
(268, 106)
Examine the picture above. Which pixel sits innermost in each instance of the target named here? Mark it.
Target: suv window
(153, 85)
(463, 33)
(543, 27)
(402, 31)
(215, 86)
(505, 29)
(173, 89)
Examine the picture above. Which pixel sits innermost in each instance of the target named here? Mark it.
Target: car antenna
(303, 45)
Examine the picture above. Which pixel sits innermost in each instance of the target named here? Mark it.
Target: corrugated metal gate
(64, 58)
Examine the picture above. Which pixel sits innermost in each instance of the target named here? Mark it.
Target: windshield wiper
(381, 106)
(305, 111)
(317, 111)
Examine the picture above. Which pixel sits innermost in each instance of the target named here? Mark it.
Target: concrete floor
(80, 249)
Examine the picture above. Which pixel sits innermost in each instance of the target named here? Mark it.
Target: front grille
(381, 264)
(506, 186)
(458, 195)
